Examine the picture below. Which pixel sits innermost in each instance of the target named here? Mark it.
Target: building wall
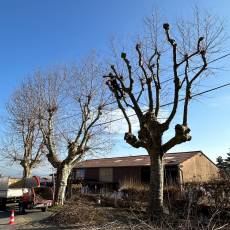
(115, 175)
(126, 173)
(88, 174)
(198, 169)
(106, 174)
(92, 174)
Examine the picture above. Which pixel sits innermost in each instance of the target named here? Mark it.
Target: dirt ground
(35, 219)
(83, 212)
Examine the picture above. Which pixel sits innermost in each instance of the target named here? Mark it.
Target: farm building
(180, 168)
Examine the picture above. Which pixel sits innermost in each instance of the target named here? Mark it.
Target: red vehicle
(38, 197)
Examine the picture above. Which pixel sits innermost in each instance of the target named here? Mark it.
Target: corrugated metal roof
(141, 160)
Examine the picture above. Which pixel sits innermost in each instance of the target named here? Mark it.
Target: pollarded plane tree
(134, 80)
(77, 88)
(24, 143)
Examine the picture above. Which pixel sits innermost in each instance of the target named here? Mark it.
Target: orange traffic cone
(12, 218)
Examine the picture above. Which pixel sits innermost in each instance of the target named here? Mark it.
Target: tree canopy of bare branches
(25, 144)
(77, 88)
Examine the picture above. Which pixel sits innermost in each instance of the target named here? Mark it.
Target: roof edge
(208, 158)
(189, 154)
(196, 151)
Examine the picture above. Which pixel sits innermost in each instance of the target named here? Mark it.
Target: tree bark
(63, 173)
(156, 184)
(27, 171)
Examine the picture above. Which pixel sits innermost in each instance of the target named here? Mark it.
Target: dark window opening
(171, 175)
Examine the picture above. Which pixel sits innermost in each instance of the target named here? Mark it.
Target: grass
(130, 184)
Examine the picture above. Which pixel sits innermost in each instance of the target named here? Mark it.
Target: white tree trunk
(156, 184)
(27, 171)
(63, 173)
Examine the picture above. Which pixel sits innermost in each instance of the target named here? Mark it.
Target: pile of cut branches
(78, 210)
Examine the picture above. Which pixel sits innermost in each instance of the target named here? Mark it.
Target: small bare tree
(77, 88)
(25, 143)
(187, 52)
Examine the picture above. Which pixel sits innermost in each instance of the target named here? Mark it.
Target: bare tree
(140, 80)
(78, 88)
(24, 144)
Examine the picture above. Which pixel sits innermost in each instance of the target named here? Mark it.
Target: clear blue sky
(39, 34)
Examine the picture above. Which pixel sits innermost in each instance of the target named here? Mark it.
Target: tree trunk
(156, 185)
(27, 171)
(63, 173)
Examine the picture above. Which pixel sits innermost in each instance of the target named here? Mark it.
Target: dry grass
(130, 184)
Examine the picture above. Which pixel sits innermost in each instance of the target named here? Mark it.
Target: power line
(167, 80)
(170, 103)
(195, 68)
(164, 105)
(200, 93)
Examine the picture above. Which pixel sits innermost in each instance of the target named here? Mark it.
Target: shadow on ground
(53, 228)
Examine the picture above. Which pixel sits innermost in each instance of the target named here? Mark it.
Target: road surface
(33, 219)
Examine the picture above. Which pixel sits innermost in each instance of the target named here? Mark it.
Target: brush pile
(79, 210)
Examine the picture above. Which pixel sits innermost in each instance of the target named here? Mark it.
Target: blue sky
(40, 34)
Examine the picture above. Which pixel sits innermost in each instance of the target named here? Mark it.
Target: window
(80, 174)
(106, 174)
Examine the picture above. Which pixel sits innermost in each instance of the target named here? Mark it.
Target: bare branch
(148, 79)
(188, 94)
(181, 135)
(133, 141)
(111, 85)
(176, 78)
(127, 62)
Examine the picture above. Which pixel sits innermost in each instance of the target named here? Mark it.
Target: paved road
(33, 219)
